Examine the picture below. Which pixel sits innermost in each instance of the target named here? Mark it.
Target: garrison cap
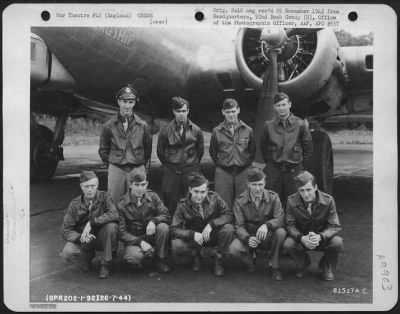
(86, 176)
(255, 174)
(197, 180)
(303, 178)
(137, 175)
(230, 103)
(279, 97)
(179, 102)
(127, 92)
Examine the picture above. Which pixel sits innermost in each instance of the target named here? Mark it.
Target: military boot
(218, 267)
(104, 272)
(161, 265)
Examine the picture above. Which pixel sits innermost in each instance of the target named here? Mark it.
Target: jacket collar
(132, 199)
(289, 119)
(95, 200)
(247, 198)
(223, 125)
(188, 124)
(320, 199)
(189, 203)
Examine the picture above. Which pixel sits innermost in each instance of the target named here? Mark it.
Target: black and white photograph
(233, 162)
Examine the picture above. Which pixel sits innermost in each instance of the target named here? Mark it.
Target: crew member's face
(231, 115)
(181, 114)
(198, 193)
(257, 188)
(138, 188)
(89, 188)
(308, 192)
(282, 108)
(126, 106)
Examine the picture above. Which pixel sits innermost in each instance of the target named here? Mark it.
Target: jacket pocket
(115, 155)
(297, 152)
(271, 151)
(139, 153)
(222, 155)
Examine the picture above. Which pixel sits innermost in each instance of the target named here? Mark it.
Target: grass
(84, 131)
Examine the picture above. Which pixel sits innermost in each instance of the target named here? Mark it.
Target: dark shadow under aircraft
(76, 71)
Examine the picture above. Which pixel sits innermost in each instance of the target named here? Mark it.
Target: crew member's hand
(86, 236)
(206, 233)
(198, 238)
(314, 238)
(262, 232)
(151, 228)
(308, 243)
(146, 247)
(254, 242)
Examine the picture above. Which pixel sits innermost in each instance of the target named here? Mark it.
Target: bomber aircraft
(75, 71)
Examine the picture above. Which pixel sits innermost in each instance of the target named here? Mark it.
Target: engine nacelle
(310, 66)
(46, 70)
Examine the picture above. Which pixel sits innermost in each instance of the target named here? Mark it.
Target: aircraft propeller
(276, 44)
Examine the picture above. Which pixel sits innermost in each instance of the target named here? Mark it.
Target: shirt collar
(224, 125)
(289, 119)
(177, 126)
(249, 197)
(319, 199)
(83, 202)
(192, 204)
(122, 119)
(129, 198)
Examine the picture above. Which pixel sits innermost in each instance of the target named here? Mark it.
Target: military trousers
(118, 182)
(229, 185)
(183, 250)
(331, 249)
(280, 179)
(134, 255)
(174, 187)
(105, 243)
(273, 242)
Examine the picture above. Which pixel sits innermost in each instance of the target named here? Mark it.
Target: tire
(323, 161)
(42, 164)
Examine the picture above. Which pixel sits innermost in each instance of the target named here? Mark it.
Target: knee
(180, 247)
(280, 234)
(289, 243)
(227, 229)
(237, 248)
(111, 227)
(162, 228)
(133, 255)
(336, 243)
(70, 251)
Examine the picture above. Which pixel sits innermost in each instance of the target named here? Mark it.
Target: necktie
(309, 209)
(181, 130)
(257, 202)
(232, 129)
(139, 202)
(125, 124)
(90, 205)
(201, 210)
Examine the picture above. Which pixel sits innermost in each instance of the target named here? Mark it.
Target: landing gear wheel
(323, 161)
(43, 163)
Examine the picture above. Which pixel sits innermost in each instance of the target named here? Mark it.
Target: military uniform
(321, 219)
(134, 217)
(125, 144)
(190, 218)
(103, 218)
(232, 153)
(180, 155)
(286, 147)
(249, 217)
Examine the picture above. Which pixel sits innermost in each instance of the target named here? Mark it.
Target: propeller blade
(265, 106)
